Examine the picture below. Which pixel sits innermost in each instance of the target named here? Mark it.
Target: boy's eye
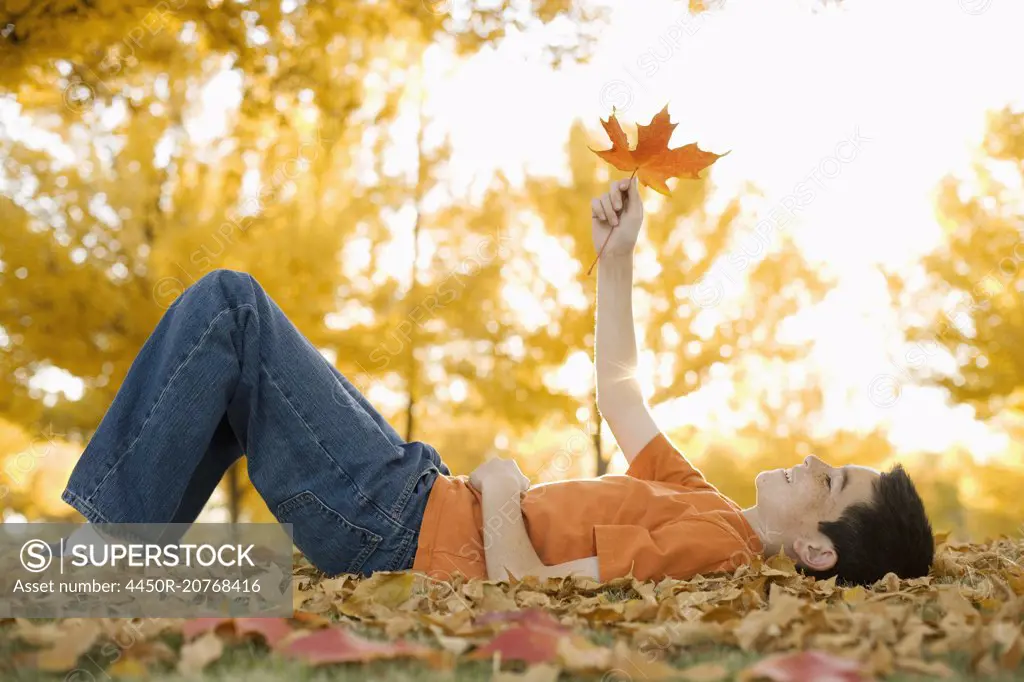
(828, 482)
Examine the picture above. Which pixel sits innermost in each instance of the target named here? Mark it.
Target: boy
(225, 372)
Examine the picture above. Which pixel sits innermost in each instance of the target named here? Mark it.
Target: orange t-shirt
(660, 519)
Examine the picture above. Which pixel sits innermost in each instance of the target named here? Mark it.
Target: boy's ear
(816, 552)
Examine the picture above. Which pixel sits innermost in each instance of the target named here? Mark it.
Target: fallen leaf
(311, 620)
(496, 599)
(642, 665)
(454, 645)
(537, 618)
(854, 595)
(127, 667)
(199, 653)
(522, 643)
(270, 630)
(577, 653)
(932, 669)
(804, 666)
(191, 629)
(338, 645)
(378, 594)
(73, 638)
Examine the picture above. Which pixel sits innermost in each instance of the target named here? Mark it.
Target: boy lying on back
(226, 373)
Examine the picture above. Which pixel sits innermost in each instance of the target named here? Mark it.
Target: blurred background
(411, 179)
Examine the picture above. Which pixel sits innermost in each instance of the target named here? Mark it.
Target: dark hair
(890, 533)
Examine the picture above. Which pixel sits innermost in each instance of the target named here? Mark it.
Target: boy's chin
(767, 488)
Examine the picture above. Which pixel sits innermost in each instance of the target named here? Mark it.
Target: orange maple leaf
(652, 161)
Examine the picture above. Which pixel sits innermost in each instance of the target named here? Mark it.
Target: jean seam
(401, 563)
(331, 460)
(163, 392)
(308, 498)
(403, 498)
(87, 510)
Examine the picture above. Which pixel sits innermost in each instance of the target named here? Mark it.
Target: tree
(972, 343)
(964, 323)
(94, 248)
(128, 199)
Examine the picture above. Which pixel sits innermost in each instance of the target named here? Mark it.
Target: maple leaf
(270, 630)
(338, 645)
(523, 643)
(652, 161)
(534, 618)
(805, 666)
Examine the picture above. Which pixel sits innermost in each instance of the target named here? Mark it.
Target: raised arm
(507, 546)
(619, 397)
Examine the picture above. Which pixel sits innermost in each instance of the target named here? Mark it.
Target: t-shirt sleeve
(659, 460)
(680, 549)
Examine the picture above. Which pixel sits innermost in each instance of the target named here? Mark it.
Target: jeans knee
(219, 289)
(229, 285)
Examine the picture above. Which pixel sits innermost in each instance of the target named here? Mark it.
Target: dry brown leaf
(454, 645)
(930, 668)
(578, 654)
(642, 665)
(385, 591)
(199, 653)
(74, 637)
(494, 598)
(128, 668)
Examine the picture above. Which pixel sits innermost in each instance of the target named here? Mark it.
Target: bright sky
(783, 87)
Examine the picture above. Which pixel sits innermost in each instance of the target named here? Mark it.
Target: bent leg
(226, 372)
(223, 451)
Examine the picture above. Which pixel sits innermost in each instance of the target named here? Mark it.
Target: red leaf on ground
(805, 666)
(527, 643)
(310, 620)
(191, 629)
(270, 630)
(534, 618)
(337, 645)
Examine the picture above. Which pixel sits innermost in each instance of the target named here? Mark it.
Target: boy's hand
(608, 215)
(496, 470)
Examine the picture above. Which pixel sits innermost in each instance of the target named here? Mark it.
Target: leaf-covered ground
(764, 622)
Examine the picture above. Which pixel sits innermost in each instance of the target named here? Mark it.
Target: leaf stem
(624, 200)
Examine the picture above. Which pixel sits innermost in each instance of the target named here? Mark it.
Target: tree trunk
(418, 191)
(234, 493)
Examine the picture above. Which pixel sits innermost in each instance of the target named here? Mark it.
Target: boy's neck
(771, 544)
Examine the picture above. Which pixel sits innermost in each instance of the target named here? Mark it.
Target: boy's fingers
(597, 210)
(616, 194)
(606, 203)
(634, 191)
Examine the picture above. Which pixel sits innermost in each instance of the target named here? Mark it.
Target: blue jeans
(226, 373)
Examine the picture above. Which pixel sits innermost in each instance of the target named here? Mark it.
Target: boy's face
(791, 502)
